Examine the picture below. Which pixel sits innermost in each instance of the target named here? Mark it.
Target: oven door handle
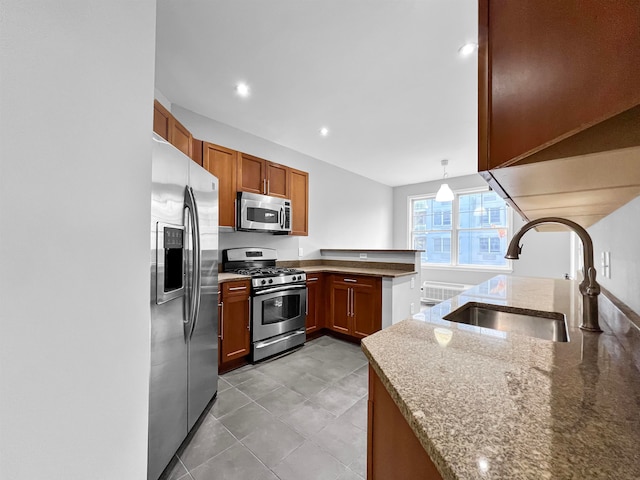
(277, 340)
(279, 289)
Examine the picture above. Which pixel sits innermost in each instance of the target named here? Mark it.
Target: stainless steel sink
(545, 325)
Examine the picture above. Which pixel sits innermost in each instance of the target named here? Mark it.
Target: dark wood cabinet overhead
(560, 81)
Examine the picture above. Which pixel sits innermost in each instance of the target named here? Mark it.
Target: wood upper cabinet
(299, 195)
(161, 118)
(166, 125)
(222, 162)
(257, 175)
(557, 79)
(180, 137)
(315, 302)
(234, 320)
(355, 304)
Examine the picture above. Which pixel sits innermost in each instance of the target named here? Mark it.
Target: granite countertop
(374, 272)
(227, 277)
(494, 405)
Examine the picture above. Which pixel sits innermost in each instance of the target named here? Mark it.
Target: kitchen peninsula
(489, 404)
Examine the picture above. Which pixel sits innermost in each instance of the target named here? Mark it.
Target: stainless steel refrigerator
(184, 299)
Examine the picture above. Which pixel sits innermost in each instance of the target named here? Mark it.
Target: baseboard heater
(436, 292)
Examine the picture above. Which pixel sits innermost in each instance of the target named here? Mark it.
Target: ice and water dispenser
(170, 262)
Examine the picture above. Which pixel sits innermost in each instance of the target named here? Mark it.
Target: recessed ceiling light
(324, 131)
(242, 89)
(467, 49)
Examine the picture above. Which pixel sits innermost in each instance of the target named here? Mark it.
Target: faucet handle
(593, 288)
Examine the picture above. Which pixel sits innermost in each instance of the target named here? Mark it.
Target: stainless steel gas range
(278, 300)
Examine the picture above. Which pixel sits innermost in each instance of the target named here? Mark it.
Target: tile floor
(299, 417)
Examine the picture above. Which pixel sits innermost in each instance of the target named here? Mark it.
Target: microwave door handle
(282, 218)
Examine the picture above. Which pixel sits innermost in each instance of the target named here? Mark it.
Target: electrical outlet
(412, 308)
(413, 283)
(363, 256)
(605, 264)
(300, 252)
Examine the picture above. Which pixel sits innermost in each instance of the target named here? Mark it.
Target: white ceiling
(383, 75)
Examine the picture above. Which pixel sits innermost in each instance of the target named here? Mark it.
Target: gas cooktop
(258, 272)
(260, 265)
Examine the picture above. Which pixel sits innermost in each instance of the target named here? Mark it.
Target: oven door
(278, 310)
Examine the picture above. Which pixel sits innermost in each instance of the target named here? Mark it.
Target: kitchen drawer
(236, 288)
(355, 279)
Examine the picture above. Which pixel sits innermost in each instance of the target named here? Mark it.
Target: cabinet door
(314, 302)
(277, 180)
(251, 174)
(161, 120)
(367, 309)
(299, 195)
(180, 137)
(197, 147)
(340, 307)
(234, 321)
(221, 162)
(549, 69)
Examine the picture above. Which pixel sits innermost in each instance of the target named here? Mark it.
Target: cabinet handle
(264, 185)
(348, 301)
(233, 289)
(312, 279)
(249, 317)
(221, 321)
(350, 280)
(353, 313)
(268, 186)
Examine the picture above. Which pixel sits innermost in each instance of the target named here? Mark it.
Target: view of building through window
(471, 230)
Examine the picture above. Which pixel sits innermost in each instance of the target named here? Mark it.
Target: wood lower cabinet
(234, 321)
(299, 195)
(355, 304)
(256, 175)
(222, 162)
(315, 302)
(393, 450)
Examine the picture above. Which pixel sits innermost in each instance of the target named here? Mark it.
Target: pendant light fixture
(445, 194)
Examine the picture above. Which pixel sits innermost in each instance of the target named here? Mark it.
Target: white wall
(345, 210)
(545, 254)
(619, 233)
(75, 153)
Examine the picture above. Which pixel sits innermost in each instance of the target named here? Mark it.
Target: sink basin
(545, 325)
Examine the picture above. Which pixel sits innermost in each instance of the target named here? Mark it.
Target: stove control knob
(297, 278)
(263, 282)
(271, 280)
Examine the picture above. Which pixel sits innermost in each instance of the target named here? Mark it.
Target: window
(471, 231)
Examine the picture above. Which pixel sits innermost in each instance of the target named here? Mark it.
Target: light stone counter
(227, 277)
(493, 405)
(374, 272)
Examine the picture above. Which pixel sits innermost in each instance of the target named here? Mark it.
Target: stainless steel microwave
(262, 213)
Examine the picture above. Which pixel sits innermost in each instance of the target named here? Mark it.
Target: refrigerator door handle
(196, 273)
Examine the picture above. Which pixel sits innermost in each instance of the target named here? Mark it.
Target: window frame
(455, 205)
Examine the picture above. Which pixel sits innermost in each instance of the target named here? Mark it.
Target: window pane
(440, 215)
(420, 243)
(482, 209)
(482, 247)
(439, 248)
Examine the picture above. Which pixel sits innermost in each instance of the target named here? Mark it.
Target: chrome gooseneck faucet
(589, 288)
